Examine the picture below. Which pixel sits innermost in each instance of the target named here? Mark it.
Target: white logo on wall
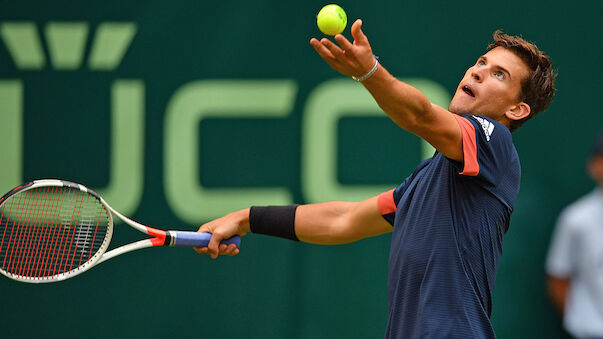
(66, 44)
(72, 46)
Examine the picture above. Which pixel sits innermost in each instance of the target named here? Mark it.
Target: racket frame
(81, 268)
(160, 237)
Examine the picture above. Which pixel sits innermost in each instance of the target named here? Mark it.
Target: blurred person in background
(575, 261)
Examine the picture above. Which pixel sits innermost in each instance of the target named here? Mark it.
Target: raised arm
(404, 104)
(335, 222)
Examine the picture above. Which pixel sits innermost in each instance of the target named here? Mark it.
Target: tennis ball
(331, 19)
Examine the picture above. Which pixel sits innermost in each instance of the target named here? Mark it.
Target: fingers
(357, 34)
(344, 43)
(221, 229)
(334, 49)
(229, 250)
(322, 50)
(200, 250)
(205, 228)
(214, 244)
(346, 54)
(215, 248)
(335, 56)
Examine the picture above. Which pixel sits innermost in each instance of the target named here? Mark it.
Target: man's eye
(481, 63)
(500, 75)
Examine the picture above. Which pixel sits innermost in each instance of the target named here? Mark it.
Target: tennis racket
(52, 230)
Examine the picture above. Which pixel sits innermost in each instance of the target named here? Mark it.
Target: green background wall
(56, 122)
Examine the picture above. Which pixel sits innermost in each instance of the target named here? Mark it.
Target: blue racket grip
(197, 239)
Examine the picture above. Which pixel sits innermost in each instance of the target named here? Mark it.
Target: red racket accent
(17, 240)
(40, 266)
(31, 228)
(12, 248)
(31, 238)
(43, 235)
(159, 235)
(54, 227)
(27, 240)
(5, 226)
(75, 227)
(39, 235)
(33, 247)
(41, 240)
(27, 232)
(12, 229)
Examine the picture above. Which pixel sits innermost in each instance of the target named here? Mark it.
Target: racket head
(51, 230)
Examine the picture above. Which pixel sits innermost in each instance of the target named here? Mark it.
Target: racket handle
(197, 239)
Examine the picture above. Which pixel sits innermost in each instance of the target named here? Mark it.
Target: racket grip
(197, 239)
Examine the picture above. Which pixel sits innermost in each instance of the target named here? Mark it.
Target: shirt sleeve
(487, 148)
(388, 202)
(560, 261)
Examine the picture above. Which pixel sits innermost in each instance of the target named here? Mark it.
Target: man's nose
(476, 74)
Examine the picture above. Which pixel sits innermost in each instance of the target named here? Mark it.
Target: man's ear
(518, 112)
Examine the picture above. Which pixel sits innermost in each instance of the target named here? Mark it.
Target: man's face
(492, 86)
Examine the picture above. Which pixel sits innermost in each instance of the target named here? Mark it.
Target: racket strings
(50, 230)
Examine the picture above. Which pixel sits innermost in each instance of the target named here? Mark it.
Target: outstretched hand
(351, 59)
(224, 228)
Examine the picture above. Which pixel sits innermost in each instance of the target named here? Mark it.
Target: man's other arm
(329, 223)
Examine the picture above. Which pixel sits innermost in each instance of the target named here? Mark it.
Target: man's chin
(459, 110)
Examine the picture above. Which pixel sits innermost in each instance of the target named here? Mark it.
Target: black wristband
(277, 221)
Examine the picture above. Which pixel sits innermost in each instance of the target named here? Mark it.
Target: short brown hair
(538, 89)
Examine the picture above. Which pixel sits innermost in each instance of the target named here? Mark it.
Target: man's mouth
(468, 90)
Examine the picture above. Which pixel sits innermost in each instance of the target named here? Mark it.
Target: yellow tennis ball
(331, 19)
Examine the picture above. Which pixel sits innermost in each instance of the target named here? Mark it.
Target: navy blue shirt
(449, 219)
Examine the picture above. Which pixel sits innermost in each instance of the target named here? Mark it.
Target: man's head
(511, 83)
(595, 162)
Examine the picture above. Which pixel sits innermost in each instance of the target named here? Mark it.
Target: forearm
(328, 223)
(404, 104)
(410, 109)
(323, 223)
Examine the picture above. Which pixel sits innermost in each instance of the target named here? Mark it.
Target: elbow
(343, 230)
(421, 119)
(424, 116)
(352, 226)
(338, 233)
(416, 117)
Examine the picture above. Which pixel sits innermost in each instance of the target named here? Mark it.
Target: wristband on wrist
(277, 221)
(371, 72)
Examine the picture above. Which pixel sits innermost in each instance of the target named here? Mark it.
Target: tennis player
(449, 216)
